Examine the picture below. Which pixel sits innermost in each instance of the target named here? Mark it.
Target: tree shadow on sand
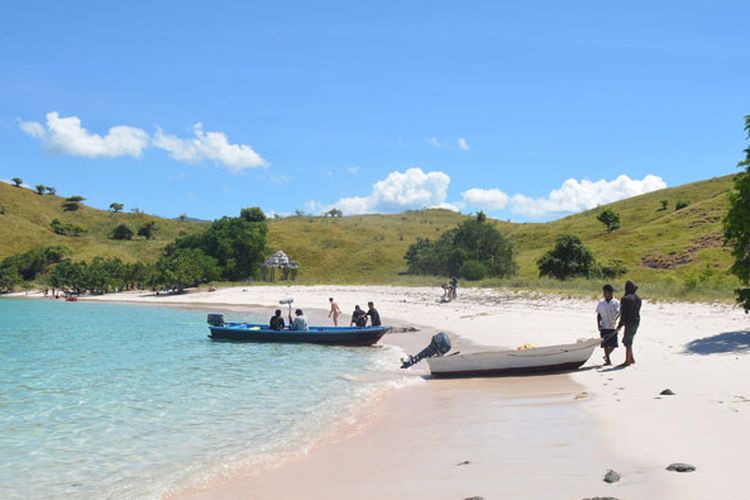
(736, 342)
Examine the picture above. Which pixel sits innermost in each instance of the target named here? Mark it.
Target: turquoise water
(110, 400)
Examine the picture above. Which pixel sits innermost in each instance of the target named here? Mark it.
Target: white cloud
(486, 199)
(412, 189)
(576, 196)
(212, 146)
(462, 144)
(433, 141)
(66, 135)
(354, 169)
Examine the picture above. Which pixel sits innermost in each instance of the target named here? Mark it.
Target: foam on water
(106, 400)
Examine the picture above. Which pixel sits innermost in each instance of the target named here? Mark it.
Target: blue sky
(372, 107)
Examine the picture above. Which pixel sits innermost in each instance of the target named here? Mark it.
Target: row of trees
(124, 232)
(172, 273)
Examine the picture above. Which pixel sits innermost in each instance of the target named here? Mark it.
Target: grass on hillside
(25, 224)
(673, 254)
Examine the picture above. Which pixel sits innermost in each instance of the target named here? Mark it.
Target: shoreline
(697, 350)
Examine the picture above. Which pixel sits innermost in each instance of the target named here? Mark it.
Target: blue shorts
(610, 342)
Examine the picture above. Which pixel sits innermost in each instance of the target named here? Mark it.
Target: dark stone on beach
(680, 467)
(465, 462)
(474, 498)
(611, 477)
(667, 392)
(601, 498)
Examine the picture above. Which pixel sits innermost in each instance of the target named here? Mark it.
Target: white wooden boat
(554, 358)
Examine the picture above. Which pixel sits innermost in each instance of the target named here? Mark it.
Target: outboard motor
(216, 319)
(439, 345)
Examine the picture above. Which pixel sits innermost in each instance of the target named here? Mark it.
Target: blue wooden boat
(253, 332)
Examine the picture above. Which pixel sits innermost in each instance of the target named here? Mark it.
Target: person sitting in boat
(277, 321)
(359, 317)
(299, 322)
(373, 314)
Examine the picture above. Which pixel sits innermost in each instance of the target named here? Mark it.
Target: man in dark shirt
(373, 314)
(359, 318)
(277, 322)
(630, 318)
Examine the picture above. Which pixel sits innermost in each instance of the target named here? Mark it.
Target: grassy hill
(673, 252)
(676, 252)
(26, 224)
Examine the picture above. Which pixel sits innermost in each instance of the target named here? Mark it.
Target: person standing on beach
(607, 312)
(335, 311)
(373, 314)
(630, 319)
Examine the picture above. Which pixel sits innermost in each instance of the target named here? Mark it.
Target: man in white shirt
(299, 322)
(607, 314)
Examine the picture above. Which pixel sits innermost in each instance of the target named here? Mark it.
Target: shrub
(147, 230)
(681, 204)
(664, 204)
(64, 229)
(473, 270)
(121, 232)
(568, 259)
(613, 269)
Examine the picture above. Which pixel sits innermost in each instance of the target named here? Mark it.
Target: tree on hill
(472, 250)
(72, 203)
(253, 214)
(610, 219)
(17, 181)
(481, 216)
(50, 190)
(737, 226)
(147, 230)
(334, 213)
(569, 258)
(40, 189)
(116, 207)
(121, 232)
(237, 244)
(664, 204)
(182, 217)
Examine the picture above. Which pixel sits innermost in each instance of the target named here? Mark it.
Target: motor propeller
(439, 345)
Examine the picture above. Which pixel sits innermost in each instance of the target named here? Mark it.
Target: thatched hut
(280, 260)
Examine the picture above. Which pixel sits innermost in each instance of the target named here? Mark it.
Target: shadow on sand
(737, 342)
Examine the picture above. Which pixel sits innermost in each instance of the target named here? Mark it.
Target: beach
(552, 436)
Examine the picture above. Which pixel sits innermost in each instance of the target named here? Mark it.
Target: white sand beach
(551, 436)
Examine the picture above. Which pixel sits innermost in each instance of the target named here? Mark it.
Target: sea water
(112, 401)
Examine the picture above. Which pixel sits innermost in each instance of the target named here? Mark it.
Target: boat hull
(549, 359)
(343, 336)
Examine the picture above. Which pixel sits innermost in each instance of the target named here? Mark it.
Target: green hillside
(672, 251)
(26, 224)
(667, 248)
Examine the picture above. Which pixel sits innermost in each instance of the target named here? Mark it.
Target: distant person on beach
(607, 313)
(373, 314)
(359, 317)
(335, 311)
(299, 322)
(277, 321)
(630, 319)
